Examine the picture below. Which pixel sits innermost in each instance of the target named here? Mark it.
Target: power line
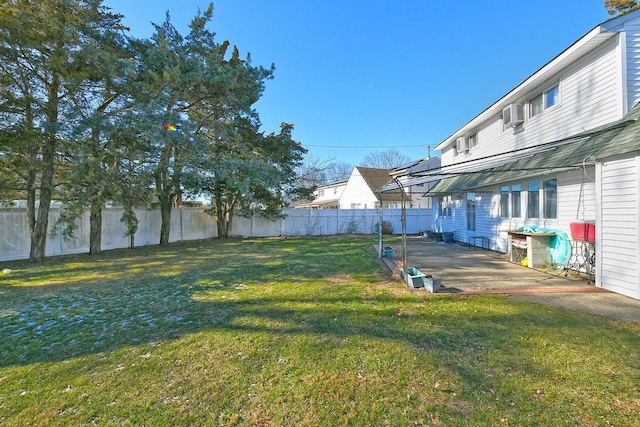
(369, 146)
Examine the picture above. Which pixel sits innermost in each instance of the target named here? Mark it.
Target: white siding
(357, 194)
(596, 89)
(617, 228)
(459, 216)
(444, 223)
(633, 63)
(330, 192)
(576, 197)
(488, 218)
(576, 201)
(590, 96)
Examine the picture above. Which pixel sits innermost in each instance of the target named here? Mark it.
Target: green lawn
(304, 332)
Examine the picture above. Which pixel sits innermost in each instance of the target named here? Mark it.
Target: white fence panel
(148, 232)
(195, 224)
(14, 234)
(113, 230)
(77, 245)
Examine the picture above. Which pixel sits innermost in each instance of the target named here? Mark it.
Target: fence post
(181, 223)
(253, 224)
(381, 212)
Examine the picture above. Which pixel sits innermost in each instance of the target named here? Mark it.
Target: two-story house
(327, 196)
(560, 148)
(360, 191)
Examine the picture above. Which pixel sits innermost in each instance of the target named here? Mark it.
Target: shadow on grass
(252, 287)
(58, 328)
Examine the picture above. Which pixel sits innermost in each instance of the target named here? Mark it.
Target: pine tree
(41, 56)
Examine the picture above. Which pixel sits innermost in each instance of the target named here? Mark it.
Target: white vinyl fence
(195, 224)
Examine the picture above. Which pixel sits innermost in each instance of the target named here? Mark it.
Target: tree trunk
(222, 229)
(39, 237)
(31, 202)
(95, 228)
(221, 216)
(165, 192)
(228, 221)
(32, 176)
(165, 212)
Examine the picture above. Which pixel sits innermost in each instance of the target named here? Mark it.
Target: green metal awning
(619, 138)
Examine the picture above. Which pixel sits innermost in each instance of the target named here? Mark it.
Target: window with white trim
(473, 140)
(544, 100)
(550, 198)
(516, 206)
(504, 202)
(533, 199)
(471, 211)
(445, 206)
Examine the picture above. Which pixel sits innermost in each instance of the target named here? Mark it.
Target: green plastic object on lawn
(413, 277)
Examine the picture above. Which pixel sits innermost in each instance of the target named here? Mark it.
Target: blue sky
(356, 76)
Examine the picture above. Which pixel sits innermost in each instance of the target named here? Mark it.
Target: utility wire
(369, 146)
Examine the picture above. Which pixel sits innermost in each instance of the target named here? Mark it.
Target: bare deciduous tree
(387, 159)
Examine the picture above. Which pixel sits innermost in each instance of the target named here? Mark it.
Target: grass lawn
(304, 332)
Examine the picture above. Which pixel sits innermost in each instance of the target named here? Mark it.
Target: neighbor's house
(360, 191)
(417, 190)
(563, 146)
(326, 196)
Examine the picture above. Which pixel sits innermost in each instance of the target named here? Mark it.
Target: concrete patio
(469, 270)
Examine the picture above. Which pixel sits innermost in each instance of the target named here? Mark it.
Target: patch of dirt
(340, 279)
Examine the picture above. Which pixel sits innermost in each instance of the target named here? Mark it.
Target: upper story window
(464, 144)
(473, 140)
(544, 100)
(551, 97)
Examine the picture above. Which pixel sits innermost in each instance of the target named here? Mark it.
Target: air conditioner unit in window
(462, 145)
(513, 115)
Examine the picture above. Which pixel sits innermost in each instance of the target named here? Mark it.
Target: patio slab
(465, 270)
